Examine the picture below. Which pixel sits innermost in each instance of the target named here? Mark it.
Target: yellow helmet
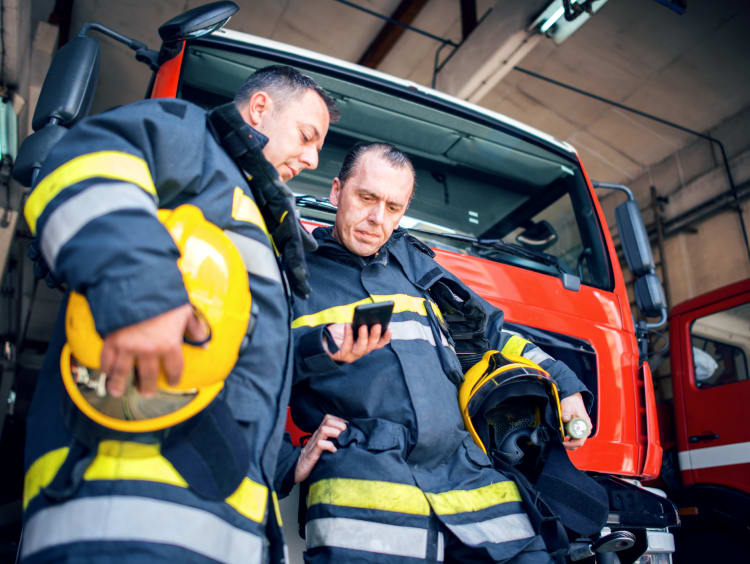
(504, 399)
(217, 285)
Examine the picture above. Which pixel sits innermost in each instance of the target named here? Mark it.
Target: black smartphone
(372, 314)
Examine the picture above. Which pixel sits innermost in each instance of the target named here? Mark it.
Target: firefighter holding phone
(399, 479)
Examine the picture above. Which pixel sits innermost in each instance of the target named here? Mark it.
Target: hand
(571, 407)
(351, 350)
(149, 346)
(330, 427)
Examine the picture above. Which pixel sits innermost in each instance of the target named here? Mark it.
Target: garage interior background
(683, 61)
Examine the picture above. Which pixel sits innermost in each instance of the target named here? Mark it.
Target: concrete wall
(711, 251)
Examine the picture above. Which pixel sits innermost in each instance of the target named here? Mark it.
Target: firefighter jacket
(94, 213)
(405, 454)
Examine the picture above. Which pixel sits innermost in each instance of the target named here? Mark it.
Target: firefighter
(402, 480)
(200, 489)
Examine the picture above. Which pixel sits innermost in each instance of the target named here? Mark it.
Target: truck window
(720, 344)
(483, 188)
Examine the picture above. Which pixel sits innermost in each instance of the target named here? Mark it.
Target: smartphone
(372, 314)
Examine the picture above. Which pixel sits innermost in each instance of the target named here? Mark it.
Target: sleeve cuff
(117, 303)
(567, 381)
(311, 355)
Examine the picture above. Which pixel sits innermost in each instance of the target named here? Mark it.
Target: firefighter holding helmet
(157, 417)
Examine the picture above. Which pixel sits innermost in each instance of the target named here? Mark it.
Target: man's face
(370, 204)
(295, 129)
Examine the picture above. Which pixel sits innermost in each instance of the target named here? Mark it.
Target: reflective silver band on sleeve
(536, 355)
(414, 330)
(378, 538)
(258, 258)
(139, 519)
(502, 529)
(95, 201)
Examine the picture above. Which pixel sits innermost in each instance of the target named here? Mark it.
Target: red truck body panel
(711, 430)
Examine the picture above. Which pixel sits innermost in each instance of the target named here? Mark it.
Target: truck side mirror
(65, 98)
(649, 295)
(634, 239)
(198, 21)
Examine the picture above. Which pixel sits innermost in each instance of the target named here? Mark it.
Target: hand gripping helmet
(510, 406)
(217, 285)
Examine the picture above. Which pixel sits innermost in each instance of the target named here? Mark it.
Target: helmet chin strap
(274, 199)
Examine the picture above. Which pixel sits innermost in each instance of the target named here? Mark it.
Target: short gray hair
(394, 156)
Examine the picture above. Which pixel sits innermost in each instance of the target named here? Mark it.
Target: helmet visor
(132, 406)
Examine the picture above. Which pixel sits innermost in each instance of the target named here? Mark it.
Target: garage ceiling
(689, 68)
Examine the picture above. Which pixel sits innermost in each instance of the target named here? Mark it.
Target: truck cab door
(714, 438)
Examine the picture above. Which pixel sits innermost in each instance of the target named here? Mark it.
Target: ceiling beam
(494, 47)
(390, 33)
(468, 17)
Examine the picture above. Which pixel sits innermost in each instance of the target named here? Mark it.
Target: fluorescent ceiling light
(552, 23)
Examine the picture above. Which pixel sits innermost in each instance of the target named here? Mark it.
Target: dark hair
(285, 83)
(394, 156)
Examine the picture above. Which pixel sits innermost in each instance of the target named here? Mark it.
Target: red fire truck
(707, 445)
(507, 208)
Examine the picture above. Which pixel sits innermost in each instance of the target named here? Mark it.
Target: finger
(334, 421)
(328, 431)
(120, 374)
(362, 342)
(375, 332)
(172, 362)
(148, 371)
(574, 444)
(107, 358)
(322, 445)
(348, 342)
(386, 338)
(196, 329)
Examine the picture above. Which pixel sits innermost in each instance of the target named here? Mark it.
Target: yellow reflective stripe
(464, 501)
(103, 164)
(245, 209)
(42, 472)
(344, 313)
(513, 349)
(277, 508)
(250, 500)
(125, 460)
(369, 494)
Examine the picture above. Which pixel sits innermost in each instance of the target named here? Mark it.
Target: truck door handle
(704, 437)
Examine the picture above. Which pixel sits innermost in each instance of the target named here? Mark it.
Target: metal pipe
(396, 22)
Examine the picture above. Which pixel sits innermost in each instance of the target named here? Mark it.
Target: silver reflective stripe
(96, 200)
(410, 542)
(536, 355)
(258, 258)
(441, 548)
(498, 530)
(139, 519)
(412, 330)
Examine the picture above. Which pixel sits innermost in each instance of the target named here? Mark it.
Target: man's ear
(335, 191)
(257, 107)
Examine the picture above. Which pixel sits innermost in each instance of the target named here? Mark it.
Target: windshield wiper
(314, 203)
(454, 236)
(569, 280)
(518, 250)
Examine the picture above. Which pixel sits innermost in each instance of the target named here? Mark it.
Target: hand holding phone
(372, 314)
